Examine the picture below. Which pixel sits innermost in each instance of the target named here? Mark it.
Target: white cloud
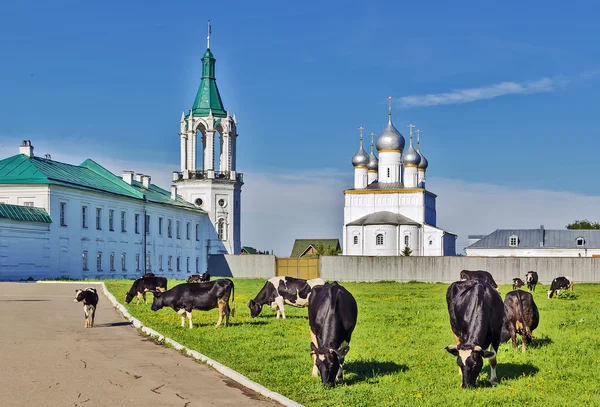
(484, 92)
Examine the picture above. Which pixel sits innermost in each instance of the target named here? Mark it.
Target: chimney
(146, 181)
(128, 176)
(542, 235)
(175, 176)
(138, 177)
(26, 148)
(47, 157)
(173, 192)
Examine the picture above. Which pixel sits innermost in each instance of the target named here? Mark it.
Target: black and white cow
(476, 318)
(278, 291)
(521, 316)
(532, 279)
(89, 297)
(479, 274)
(206, 296)
(517, 283)
(560, 283)
(199, 278)
(142, 285)
(332, 314)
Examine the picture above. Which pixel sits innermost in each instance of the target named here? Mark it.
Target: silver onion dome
(411, 156)
(390, 138)
(424, 163)
(373, 162)
(361, 158)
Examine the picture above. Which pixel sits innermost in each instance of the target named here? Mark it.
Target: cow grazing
(278, 291)
(476, 318)
(89, 297)
(517, 283)
(521, 316)
(206, 296)
(332, 313)
(532, 279)
(199, 278)
(143, 285)
(479, 274)
(560, 283)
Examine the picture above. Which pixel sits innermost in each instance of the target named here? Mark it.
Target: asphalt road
(47, 358)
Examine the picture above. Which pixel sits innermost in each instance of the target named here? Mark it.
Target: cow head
(254, 308)
(129, 296)
(470, 361)
(551, 293)
(329, 361)
(78, 295)
(157, 303)
(204, 277)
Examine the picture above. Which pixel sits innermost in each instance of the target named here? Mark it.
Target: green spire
(208, 97)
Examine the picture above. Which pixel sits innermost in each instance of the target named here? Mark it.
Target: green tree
(326, 251)
(406, 251)
(583, 224)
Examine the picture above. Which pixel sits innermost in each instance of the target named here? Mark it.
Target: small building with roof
(539, 242)
(389, 209)
(315, 247)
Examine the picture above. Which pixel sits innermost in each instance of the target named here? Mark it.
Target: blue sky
(505, 94)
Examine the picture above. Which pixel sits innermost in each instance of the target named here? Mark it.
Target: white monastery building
(389, 211)
(82, 221)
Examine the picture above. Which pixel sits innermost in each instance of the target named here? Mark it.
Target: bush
(567, 295)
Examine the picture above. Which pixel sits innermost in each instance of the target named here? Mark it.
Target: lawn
(397, 354)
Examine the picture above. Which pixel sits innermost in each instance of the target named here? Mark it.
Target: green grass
(397, 354)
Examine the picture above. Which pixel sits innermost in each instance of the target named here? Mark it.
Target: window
(137, 223)
(84, 258)
(137, 262)
(84, 217)
(170, 228)
(379, 239)
(178, 229)
(187, 231)
(111, 220)
(388, 172)
(148, 268)
(99, 261)
(30, 204)
(355, 239)
(513, 241)
(160, 258)
(147, 225)
(123, 262)
(170, 263)
(123, 221)
(406, 240)
(160, 220)
(580, 241)
(178, 263)
(197, 264)
(221, 229)
(111, 262)
(430, 242)
(98, 218)
(197, 232)
(63, 214)
(187, 265)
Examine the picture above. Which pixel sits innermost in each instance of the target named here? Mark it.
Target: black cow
(532, 279)
(278, 291)
(476, 318)
(149, 275)
(143, 285)
(479, 274)
(521, 316)
(89, 297)
(332, 313)
(206, 296)
(199, 278)
(560, 283)
(517, 283)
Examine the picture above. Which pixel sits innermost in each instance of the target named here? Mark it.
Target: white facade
(533, 252)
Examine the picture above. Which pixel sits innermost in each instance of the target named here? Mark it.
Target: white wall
(25, 249)
(407, 204)
(532, 252)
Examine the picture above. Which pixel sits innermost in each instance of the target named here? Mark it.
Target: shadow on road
(111, 324)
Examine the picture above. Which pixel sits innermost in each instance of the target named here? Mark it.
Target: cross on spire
(361, 128)
(418, 139)
(411, 127)
(208, 37)
(372, 137)
(389, 98)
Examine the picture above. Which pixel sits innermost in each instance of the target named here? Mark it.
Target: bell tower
(217, 186)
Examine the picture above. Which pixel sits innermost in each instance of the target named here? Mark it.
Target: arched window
(406, 240)
(580, 241)
(84, 260)
(221, 229)
(112, 262)
(513, 241)
(379, 239)
(137, 262)
(355, 239)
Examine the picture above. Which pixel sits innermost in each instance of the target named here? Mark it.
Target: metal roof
(24, 213)
(383, 218)
(208, 98)
(532, 238)
(302, 245)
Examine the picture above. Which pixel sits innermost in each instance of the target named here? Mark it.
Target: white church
(82, 221)
(390, 212)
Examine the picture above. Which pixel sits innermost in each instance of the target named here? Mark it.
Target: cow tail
(526, 332)
(232, 299)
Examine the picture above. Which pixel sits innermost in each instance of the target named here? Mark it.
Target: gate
(305, 268)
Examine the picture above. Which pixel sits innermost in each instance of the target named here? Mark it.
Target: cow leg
(493, 377)
(144, 295)
(457, 340)
(139, 297)
(85, 312)
(221, 304)
(227, 312)
(189, 315)
(93, 315)
(313, 339)
(180, 312)
(280, 306)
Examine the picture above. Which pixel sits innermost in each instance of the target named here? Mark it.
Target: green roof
(24, 213)
(249, 250)
(302, 245)
(208, 98)
(91, 176)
